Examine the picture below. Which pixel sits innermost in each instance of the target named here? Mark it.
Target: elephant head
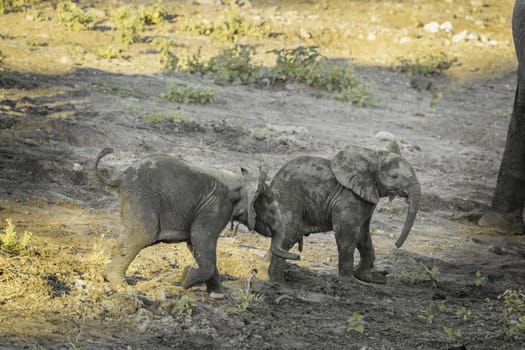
(264, 216)
(374, 174)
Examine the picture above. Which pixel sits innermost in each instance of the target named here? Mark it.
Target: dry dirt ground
(61, 103)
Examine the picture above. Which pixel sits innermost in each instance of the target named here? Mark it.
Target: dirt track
(61, 104)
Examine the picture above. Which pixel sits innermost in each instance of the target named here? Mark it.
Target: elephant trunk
(278, 249)
(414, 196)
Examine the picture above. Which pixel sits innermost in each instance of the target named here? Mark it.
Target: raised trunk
(278, 249)
(414, 195)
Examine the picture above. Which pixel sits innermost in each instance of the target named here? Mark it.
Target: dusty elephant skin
(167, 199)
(319, 195)
(507, 205)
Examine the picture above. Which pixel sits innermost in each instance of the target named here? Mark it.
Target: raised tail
(104, 180)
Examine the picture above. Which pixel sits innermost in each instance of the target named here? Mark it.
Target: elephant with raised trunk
(506, 211)
(340, 194)
(168, 199)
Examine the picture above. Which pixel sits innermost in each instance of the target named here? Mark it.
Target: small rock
(431, 27)
(446, 27)
(371, 36)
(459, 36)
(405, 40)
(217, 296)
(472, 36)
(304, 34)
(77, 167)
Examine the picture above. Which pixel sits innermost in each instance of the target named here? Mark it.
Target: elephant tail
(101, 177)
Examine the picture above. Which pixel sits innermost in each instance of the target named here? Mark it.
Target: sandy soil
(61, 104)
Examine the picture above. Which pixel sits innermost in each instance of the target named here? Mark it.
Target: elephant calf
(340, 194)
(167, 199)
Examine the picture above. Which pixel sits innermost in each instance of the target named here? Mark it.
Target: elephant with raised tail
(507, 207)
(168, 199)
(340, 194)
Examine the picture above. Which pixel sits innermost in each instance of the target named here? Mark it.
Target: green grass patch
(177, 117)
(189, 94)
(429, 64)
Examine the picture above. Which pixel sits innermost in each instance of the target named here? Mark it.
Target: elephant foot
(501, 222)
(115, 279)
(370, 276)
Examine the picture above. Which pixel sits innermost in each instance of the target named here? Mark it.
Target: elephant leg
(367, 253)
(213, 285)
(204, 235)
(276, 268)
(509, 195)
(127, 251)
(277, 264)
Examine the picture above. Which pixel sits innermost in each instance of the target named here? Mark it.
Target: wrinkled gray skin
(167, 199)
(319, 195)
(507, 208)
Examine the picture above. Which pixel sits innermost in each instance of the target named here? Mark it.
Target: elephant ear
(252, 215)
(356, 168)
(393, 147)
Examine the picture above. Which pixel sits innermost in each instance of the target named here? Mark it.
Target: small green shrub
(426, 65)
(178, 117)
(514, 312)
(233, 65)
(189, 94)
(73, 17)
(168, 59)
(305, 65)
(12, 5)
(451, 334)
(356, 323)
(186, 305)
(129, 24)
(245, 297)
(11, 241)
(233, 26)
(108, 53)
(152, 14)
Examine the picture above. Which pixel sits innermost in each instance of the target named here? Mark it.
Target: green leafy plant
(233, 26)
(464, 313)
(129, 24)
(108, 53)
(514, 312)
(12, 5)
(186, 305)
(233, 65)
(11, 241)
(304, 64)
(72, 17)
(426, 65)
(431, 311)
(168, 59)
(451, 334)
(152, 14)
(245, 297)
(480, 279)
(189, 94)
(178, 117)
(356, 323)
